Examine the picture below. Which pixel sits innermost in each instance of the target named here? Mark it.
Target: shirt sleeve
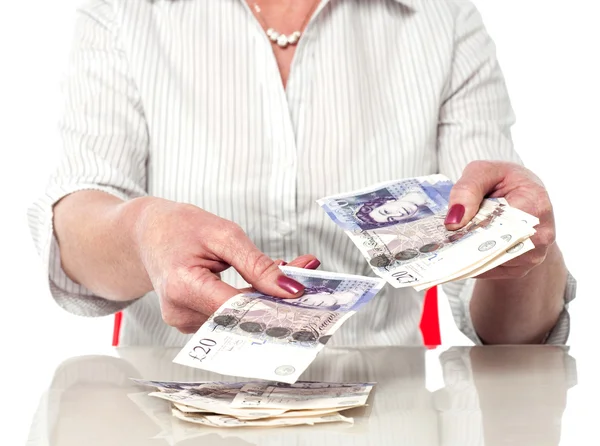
(104, 144)
(475, 123)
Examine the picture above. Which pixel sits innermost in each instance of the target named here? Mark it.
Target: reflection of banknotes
(254, 403)
(399, 228)
(225, 421)
(264, 337)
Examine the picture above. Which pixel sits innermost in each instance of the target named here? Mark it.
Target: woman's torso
(361, 106)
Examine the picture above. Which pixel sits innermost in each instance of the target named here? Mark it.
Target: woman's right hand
(184, 249)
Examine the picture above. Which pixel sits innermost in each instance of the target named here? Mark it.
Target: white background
(549, 53)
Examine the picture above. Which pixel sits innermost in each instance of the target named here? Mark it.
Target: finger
(190, 329)
(193, 289)
(527, 260)
(504, 272)
(215, 293)
(307, 261)
(259, 270)
(215, 266)
(478, 179)
(185, 320)
(313, 264)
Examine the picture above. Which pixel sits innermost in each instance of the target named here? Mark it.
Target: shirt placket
(279, 106)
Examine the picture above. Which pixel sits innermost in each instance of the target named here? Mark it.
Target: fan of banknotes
(399, 228)
(265, 404)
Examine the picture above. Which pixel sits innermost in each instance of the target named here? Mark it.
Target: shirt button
(284, 228)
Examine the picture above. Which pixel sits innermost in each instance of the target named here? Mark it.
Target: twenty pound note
(258, 336)
(399, 228)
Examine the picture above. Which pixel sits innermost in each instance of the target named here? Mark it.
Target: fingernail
(313, 264)
(289, 285)
(455, 215)
(283, 264)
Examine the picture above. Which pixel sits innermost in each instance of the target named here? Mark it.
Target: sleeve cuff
(70, 296)
(460, 294)
(559, 335)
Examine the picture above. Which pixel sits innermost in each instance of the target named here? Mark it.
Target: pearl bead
(282, 41)
(293, 38)
(274, 36)
(270, 31)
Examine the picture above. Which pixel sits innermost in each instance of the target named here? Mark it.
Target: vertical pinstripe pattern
(183, 100)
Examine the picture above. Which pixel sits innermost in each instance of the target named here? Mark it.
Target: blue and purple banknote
(399, 228)
(258, 336)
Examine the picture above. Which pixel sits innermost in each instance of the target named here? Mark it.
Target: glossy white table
(485, 396)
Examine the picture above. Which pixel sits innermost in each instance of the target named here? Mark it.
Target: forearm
(95, 233)
(520, 311)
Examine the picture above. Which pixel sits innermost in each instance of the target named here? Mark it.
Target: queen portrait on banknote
(194, 153)
(386, 210)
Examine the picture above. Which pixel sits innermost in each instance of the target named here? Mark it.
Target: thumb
(477, 181)
(258, 269)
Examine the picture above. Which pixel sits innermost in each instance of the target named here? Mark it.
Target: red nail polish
(313, 264)
(283, 264)
(290, 285)
(455, 215)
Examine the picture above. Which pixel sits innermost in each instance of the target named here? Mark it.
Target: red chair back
(117, 329)
(430, 319)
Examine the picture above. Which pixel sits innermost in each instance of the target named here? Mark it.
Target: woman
(194, 152)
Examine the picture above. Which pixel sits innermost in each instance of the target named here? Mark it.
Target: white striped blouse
(182, 99)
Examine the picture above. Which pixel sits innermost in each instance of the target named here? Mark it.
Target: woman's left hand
(523, 190)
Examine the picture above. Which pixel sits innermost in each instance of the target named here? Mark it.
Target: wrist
(134, 217)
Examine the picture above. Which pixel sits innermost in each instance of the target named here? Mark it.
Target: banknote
(287, 414)
(258, 336)
(303, 396)
(211, 397)
(253, 403)
(171, 385)
(221, 407)
(399, 228)
(516, 248)
(230, 422)
(224, 397)
(189, 409)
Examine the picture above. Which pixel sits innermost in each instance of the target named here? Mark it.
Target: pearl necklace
(279, 38)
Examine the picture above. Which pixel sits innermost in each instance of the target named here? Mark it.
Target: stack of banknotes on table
(399, 228)
(260, 404)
